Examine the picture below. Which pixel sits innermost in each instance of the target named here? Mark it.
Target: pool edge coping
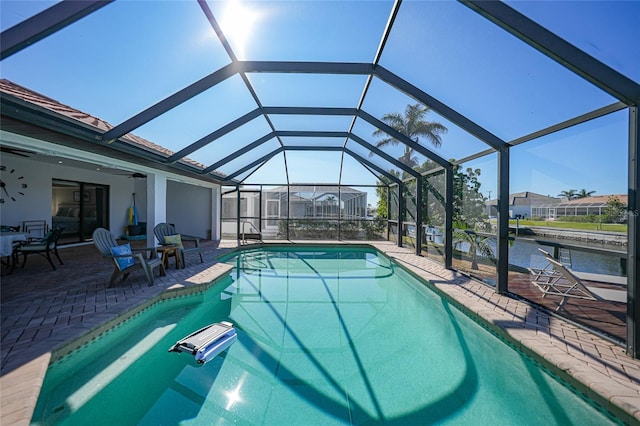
(172, 292)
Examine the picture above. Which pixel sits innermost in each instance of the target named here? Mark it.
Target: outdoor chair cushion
(123, 262)
(174, 239)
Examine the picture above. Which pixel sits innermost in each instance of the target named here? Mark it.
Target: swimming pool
(326, 335)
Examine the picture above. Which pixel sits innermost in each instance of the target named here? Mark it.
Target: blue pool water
(325, 336)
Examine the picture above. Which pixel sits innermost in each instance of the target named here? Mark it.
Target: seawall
(615, 238)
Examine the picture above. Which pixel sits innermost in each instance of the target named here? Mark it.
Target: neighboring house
(522, 204)
(299, 202)
(576, 207)
(324, 202)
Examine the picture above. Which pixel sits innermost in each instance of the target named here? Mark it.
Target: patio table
(6, 247)
(7, 239)
(166, 251)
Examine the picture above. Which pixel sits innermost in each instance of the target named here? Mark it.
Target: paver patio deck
(44, 310)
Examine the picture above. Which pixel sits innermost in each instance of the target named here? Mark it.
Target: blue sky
(131, 54)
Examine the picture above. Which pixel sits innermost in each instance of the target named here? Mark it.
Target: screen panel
(138, 63)
(498, 81)
(285, 31)
(608, 31)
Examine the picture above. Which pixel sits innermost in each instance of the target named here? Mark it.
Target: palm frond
(485, 248)
(393, 119)
(412, 125)
(386, 141)
(431, 131)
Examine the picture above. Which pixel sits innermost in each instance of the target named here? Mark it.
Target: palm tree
(570, 194)
(584, 193)
(476, 244)
(413, 125)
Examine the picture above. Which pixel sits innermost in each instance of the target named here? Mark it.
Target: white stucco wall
(140, 189)
(161, 197)
(523, 211)
(36, 204)
(189, 208)
(216, 210)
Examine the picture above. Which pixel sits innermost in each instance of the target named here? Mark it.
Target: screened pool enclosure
(350, 120)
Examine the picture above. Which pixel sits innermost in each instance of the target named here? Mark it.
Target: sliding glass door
(79, 208)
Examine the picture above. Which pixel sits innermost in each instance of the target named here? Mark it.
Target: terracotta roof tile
(42, 101)
(598, 199)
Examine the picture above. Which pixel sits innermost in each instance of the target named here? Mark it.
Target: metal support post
(238, 217)
(502, 247)
(633, 235)
(260, 212)
(400, 212)
(418, 216)
(448, 217)
(388, 212)
(339, 212)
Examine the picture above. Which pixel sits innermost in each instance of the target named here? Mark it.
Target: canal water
(524, 253)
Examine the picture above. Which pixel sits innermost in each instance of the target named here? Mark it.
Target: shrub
(374, 228)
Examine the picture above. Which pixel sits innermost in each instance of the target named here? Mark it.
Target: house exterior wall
(216, 210)
(189, 208)
(520, 211)
(38, 204)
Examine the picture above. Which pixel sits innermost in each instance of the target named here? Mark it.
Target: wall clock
(12, 185)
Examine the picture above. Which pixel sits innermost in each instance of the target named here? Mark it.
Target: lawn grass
(612, 227)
